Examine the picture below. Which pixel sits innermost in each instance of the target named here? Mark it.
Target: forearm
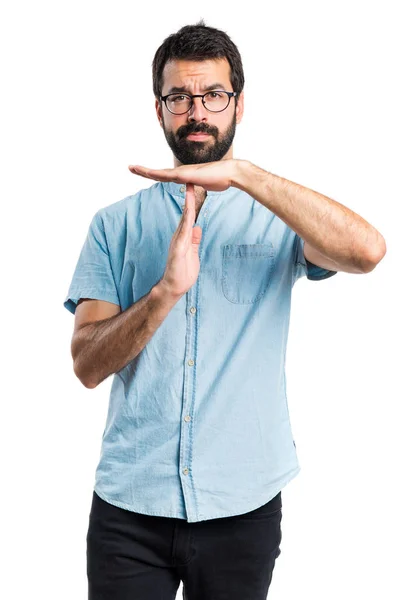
(328, 226)
(107, 346)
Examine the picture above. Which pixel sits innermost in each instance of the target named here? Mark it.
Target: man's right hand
(183, 264)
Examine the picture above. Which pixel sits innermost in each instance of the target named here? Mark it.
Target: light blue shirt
(197, 425)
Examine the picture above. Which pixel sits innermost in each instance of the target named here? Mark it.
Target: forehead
(195, 75)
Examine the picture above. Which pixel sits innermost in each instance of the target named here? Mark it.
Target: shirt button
(191, 362)
(187, 418)
(185, 471)
(182, 188)
(192, 310)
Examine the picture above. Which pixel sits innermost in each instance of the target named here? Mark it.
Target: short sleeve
(93, 277)
(304, 267)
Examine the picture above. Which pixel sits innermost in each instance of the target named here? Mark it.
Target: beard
(190, 152)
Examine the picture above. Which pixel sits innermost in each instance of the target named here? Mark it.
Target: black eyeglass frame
(164, 99)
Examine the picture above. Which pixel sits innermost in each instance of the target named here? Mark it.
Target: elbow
(89, 386)
(374, 258)
(84, 381)
(77, 352)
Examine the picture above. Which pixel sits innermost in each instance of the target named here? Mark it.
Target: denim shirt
(197, 425)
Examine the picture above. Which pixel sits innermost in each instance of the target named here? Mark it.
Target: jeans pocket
(246, 271)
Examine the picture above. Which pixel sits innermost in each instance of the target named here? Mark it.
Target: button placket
(188, 393)
(186, 438)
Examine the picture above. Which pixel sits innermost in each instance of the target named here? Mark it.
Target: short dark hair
(198, 42)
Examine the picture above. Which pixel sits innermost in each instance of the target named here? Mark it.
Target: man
(183, 291)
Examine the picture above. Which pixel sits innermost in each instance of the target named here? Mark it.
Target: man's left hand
(215, 176)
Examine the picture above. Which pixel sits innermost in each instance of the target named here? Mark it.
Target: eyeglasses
(215, 101)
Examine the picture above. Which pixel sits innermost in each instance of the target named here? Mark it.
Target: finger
(189, 208)
(138, 170)
(190, 201)
(183, 219)
(157, 174)
(188, 214)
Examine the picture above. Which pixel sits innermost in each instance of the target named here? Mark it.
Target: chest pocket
(246, 271)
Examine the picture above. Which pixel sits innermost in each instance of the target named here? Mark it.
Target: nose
(198, 111)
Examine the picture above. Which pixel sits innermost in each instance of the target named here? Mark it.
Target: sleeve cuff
(71, 300)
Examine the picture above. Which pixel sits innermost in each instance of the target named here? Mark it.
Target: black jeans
(131, 556)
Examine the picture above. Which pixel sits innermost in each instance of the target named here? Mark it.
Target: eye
(178, 98)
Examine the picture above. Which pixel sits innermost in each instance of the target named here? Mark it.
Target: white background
(321, 109)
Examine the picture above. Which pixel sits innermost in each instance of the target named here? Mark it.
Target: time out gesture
(335, 237)
(183, 263)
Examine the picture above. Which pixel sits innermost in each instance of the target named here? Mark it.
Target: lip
(198, 136)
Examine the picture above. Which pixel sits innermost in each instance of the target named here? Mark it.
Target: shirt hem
(202, 517)
(131, 509)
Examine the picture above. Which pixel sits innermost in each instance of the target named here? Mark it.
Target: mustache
(197, 129)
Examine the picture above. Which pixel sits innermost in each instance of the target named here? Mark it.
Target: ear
(158, 106)
(240, 107)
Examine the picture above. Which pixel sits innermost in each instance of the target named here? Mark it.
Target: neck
(200, 193)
